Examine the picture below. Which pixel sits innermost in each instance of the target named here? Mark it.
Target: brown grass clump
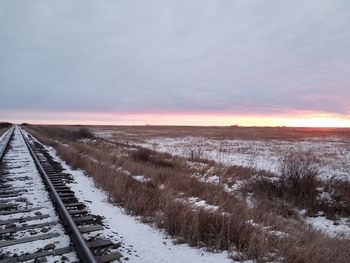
(207, 228)
(297, 181)
(339, 203)
(4, 126)
(152, 157)
(83, 133)
(311, 247)
(66, 134)
(298, 186)
(2, 131)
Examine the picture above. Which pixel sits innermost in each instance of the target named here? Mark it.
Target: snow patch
(333, 153)
(338, 228)
(141, 178)
(198, 203)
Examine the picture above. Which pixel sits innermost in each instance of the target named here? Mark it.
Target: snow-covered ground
(333, 152)
(21, 173)
(198, 203)
(140, 242)
(339, 228)
(333, 155)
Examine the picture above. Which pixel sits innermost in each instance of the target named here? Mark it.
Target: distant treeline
(5, 124)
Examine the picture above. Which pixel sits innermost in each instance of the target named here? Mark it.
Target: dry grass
(134, 133)
(5, 124)
(2, 131)
(4, 127)
(339, 205)
(297, 186)
(309, 247)
(229, 227)
(70, 134)
(297, 182)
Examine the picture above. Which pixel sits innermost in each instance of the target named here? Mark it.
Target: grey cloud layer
(245, 56)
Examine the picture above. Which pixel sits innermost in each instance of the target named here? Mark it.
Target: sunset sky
(199, 62)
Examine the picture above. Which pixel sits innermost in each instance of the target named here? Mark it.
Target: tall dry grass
(4, 126)
(298, 186)
(2, 131)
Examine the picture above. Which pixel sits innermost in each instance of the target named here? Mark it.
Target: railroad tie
(8, 243)
(23, 219)
(21, 228)
(27, 257)
(88, 229)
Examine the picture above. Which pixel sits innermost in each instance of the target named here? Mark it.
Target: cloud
(243, 56)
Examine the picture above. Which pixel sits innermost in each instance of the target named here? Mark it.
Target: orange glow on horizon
(223, 119)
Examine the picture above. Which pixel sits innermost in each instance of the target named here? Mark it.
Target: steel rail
(80, 244)
(8, 134)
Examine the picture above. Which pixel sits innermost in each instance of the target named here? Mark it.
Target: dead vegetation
(2, 131)
(5, 124)
(134, 133)
(297, 185)
(70, 134)
(298, 172)
(4, 127)
(233, 226)
(153, 158)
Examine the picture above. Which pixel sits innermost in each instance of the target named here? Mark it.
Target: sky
(199, 62)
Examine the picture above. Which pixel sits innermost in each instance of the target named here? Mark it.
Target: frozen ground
(140, 242)
(333, 152)
(339, 228)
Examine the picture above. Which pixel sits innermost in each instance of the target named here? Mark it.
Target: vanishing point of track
(74, 216)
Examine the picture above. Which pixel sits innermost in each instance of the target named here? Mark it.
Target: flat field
(264, 194)
(259, 148)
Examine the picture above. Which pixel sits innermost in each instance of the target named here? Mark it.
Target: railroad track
(41, 220)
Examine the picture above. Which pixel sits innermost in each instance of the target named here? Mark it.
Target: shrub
(70, 134)
(151, 157)
(339, 202)
(84, 133)
(141, 155)
(298, 172)
(5, 124)
(296, 184)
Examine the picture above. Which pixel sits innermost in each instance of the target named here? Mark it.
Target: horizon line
(178, 125)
